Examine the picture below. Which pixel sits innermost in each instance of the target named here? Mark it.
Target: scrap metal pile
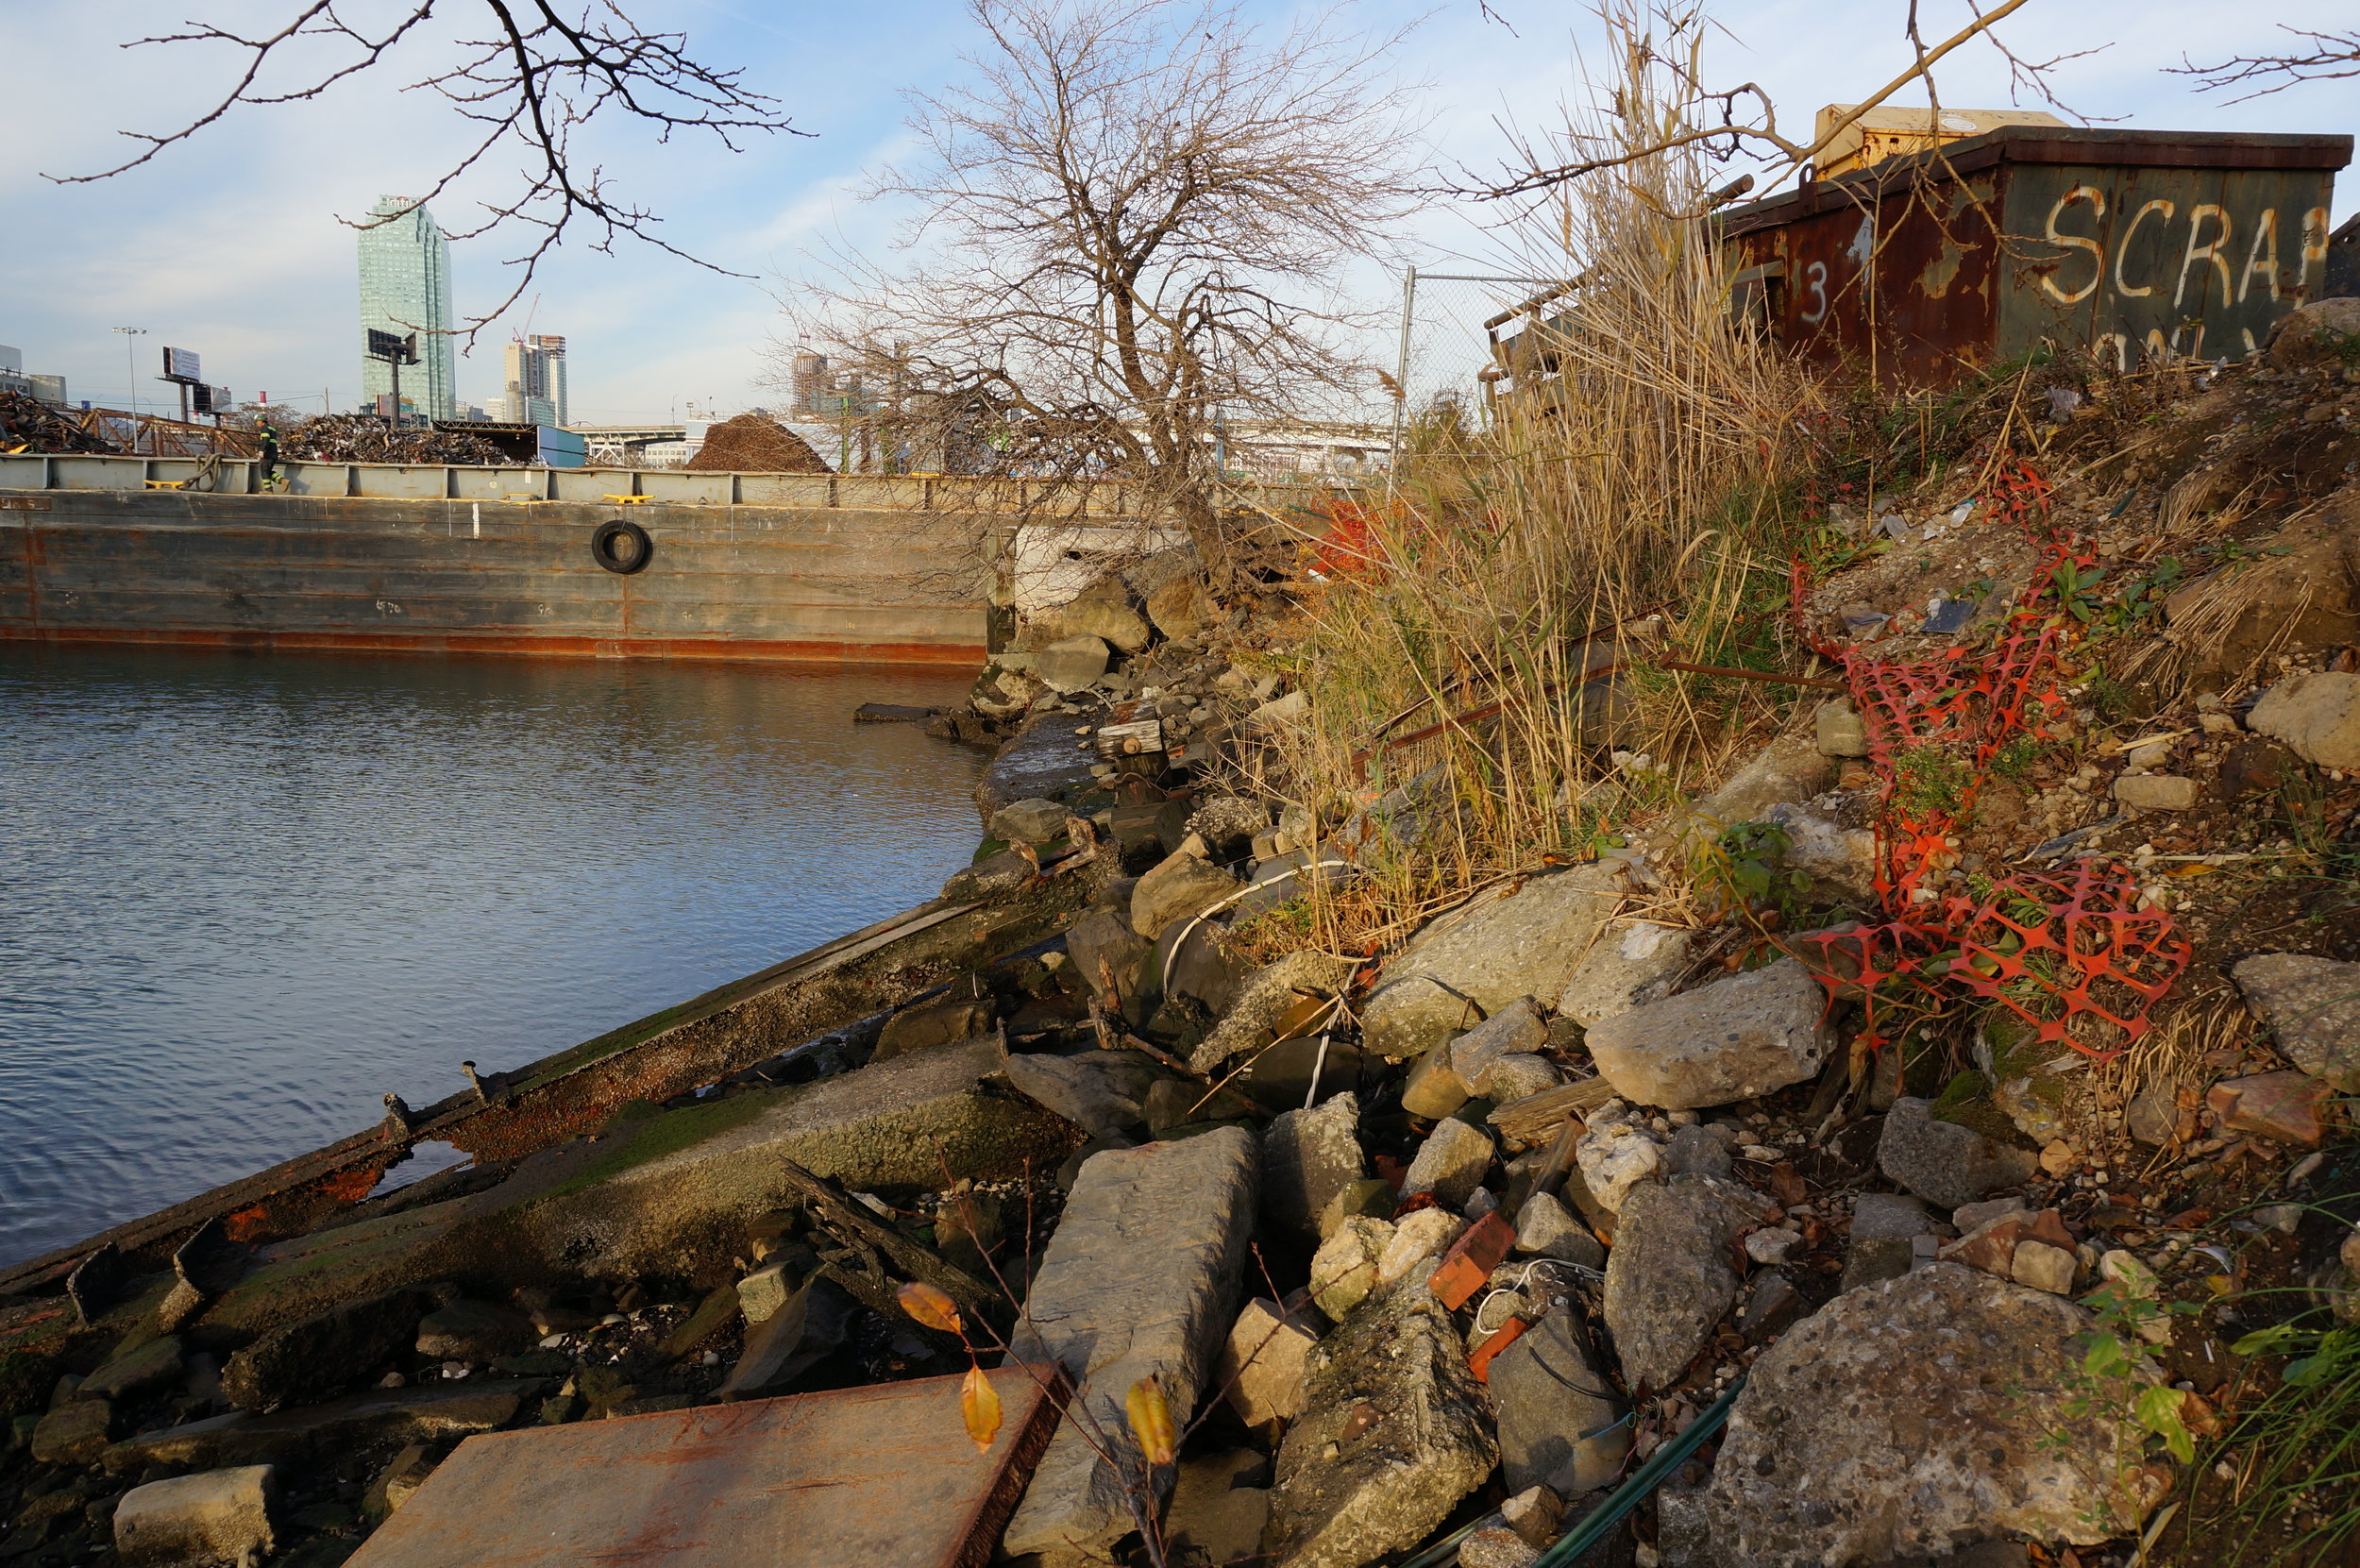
(362, 438)
(29, 425)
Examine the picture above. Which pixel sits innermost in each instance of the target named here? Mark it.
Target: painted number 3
(1815, 281)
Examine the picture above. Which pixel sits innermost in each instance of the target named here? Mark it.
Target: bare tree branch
(1125, 229)
(2338, 57)
(1733, 135)
(540, 76)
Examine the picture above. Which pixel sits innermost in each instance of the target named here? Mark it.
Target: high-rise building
(536, 383)
(405, 287)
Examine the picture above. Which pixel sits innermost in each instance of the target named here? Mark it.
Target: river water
(243, 896)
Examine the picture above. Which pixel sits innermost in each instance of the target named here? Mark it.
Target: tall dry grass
(1536, 560)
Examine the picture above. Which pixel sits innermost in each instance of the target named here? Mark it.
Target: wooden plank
(872, 1475)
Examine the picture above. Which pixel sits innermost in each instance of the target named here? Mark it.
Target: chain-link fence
(1446, 322)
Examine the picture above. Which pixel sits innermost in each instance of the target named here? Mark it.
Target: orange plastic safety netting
(2073, 954)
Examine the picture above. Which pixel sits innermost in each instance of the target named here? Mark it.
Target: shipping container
(2139, 246)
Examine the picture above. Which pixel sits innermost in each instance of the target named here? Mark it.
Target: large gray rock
(1908, 1417)
(1450, 1163)
(1740, 1037)
(1140, 1279)
(2313, 1005)
(2318, 333)
(1071, 663)
(1668, 1278)
(1100, 1091)
(1263, 1001)
(1944, 1163)
(218, 1516)
(1626, 968)
(1515, 940)
(1117, 625)
(1551, 1398)
(2317, 714)
(1307, 1157)
(1179, 886)
(1394, 1431)
(1101, 945)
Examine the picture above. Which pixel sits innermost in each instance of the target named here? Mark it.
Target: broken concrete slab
(1545, 1229)
(466, 1330)
(2313, 1006)
(1516, 1029)
(1899, 1419)
(135, 1371)
(1944, 1163)
(219, 1516)
(1740, 1037)
(1560, 1421)
(1261, 1004)
(877, 1474)
(76, 1433)
(2317, 713)
(1394, 1431)
(318, 1357)
(421, 1414)
(942, 1020)
(1140, 1279)
(1625, 968)
(1309, 1157)
(1668, 1277)
(1100, 1091)
(1613, 1157)
(1518, 940)
(1179, 886)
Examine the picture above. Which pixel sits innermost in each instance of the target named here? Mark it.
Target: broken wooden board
(879, 1474)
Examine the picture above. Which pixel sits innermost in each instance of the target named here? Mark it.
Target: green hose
(1648, 1476)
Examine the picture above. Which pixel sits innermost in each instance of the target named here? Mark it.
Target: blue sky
(230, 244)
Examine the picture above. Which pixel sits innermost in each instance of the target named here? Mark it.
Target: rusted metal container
(2141, 246)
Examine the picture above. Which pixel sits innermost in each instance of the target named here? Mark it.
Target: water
(242, 896)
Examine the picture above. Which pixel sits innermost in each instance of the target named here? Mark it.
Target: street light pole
(131, 375)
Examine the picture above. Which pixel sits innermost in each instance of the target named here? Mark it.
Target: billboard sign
(180, 365)
(393, 346)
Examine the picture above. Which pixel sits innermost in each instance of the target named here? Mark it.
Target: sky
(231, 245)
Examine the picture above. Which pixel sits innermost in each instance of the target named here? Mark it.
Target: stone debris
(1451, 1164)
(1140, 1279)
(1515, 1030)
(1739, 1037)
(2312, 1007)
(218, 1516)
(1668, 1276)
(2317, 714)
(1900, 1419)
(1545, 1229)
(1625, 970)
(2283, 1107)
(1309, 1158)
(1344, 1269)
(1418, 1236)
(1513, 941)
(1263, 1364)
(1560, 1422)
(1944, 1163)
(1394, 1431)
(1033, 821)
(1615, 1156)
(1181, 885)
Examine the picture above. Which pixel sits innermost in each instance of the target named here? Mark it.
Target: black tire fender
(621, 547)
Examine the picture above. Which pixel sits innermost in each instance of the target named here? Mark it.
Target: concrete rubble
(1446, 1232)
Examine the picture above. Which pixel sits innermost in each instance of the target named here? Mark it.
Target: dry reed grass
(1532, 565)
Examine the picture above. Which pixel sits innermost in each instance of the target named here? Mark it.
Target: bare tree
(2333, 56)
(1131, 220)
(538, 76)
(1744, 120)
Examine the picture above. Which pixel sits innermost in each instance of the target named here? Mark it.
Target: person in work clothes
(270, 457)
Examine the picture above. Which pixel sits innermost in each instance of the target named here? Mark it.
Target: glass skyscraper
(405, 287)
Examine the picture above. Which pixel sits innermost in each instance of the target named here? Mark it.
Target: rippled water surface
(242, 896)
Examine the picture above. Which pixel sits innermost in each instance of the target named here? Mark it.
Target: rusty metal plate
(883, 1475)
